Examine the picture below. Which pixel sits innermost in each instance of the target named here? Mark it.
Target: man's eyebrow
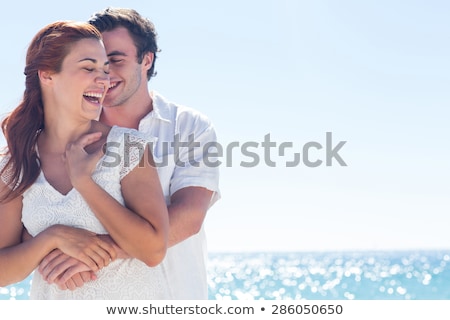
(116, 53)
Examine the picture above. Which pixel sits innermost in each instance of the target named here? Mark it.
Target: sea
(361, 275)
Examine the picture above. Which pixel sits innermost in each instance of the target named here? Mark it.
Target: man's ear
(148, 60)
(45, 77)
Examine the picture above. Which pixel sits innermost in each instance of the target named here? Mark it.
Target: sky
(365, 82)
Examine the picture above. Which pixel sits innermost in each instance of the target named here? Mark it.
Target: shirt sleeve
(133, 145)
(196, 158)
(6, 176)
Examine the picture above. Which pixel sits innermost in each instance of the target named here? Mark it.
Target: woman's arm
(70, 273)
(15, 264)
(140, 228)
(18, 259)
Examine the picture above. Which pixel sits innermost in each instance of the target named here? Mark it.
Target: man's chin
(107, 104)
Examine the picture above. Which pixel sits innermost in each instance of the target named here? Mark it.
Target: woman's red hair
(22, 126)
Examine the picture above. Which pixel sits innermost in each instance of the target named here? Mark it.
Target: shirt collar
(160, 110)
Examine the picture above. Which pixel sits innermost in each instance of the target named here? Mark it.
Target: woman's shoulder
(129, 140)
(4, 158)
(122, 134)
(128, 146)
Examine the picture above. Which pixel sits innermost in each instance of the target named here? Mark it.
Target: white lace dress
(44, 206)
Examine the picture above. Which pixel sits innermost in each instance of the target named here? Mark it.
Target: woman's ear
(45, 77)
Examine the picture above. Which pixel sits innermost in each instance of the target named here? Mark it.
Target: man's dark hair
(141, 30)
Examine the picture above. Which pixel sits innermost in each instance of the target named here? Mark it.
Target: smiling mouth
(112, 85)
(93, 97)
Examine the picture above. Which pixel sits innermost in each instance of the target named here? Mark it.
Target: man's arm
(187, 211)
(194, 184)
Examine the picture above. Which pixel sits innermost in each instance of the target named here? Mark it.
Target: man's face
(126, 74)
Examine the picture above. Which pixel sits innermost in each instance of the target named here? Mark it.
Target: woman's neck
(55, 137)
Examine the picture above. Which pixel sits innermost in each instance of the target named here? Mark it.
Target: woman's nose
(103, 79)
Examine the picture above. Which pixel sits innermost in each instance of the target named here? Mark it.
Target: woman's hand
(80, 164)
(69, 273)
(83, 245)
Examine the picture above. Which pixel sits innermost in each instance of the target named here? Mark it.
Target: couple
(94, 230)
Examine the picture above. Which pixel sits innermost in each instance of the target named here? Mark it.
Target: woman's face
(83, 80)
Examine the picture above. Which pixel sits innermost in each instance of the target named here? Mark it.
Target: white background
(374, 73)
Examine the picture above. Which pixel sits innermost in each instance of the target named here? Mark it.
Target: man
(190, 186)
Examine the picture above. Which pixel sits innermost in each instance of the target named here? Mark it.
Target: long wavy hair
(22, 126)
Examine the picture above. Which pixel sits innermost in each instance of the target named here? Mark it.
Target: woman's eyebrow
(88, 59)
(93, 60)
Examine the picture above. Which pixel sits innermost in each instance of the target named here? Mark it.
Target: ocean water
(396, 275)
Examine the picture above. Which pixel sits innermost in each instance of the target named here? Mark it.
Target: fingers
(92, 260)
(110, 252)
(68, 273)
(71, 281)
(80, 273)
(77, 280)
(87, 139)
(84, 246)
(88, 276)
(71, 284)
(58, 264)
(98, 256)
(63, 286)
(57, 267)
(104, 252)
(79, 163)
(47, 260)
(79, 251)
(81, 143)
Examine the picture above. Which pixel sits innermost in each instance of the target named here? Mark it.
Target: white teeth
(93, 94)
(112, 85)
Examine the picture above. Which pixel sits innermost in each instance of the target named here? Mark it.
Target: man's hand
(70, 273)
(65, 271)
(83, 245)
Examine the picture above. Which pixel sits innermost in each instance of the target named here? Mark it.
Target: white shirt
(180, 166)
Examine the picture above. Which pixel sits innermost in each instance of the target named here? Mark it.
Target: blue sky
(375, 74)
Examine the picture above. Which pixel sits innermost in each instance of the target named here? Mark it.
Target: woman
(67, 178)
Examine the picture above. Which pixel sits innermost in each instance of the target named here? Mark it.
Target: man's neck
(125, 116)
(112, 117)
